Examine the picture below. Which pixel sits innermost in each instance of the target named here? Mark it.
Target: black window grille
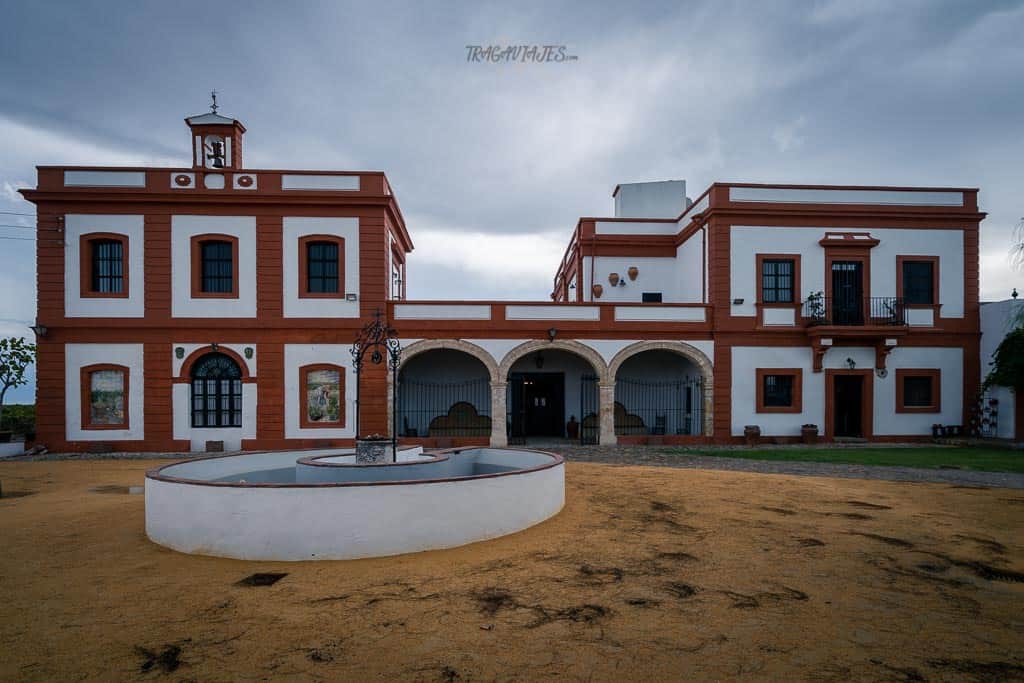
(778, 391)
(217, 267)
(777, 281)
(216, 392)
(107, 266)
(651, 297)
(917, 392)
(918, 282)
(322, 267)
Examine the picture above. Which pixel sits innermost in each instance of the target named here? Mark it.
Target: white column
(499, 437)
(606, 413)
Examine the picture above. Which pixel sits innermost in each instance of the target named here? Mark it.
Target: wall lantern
(851, 363)
(552, 333)
(633, 272)
(539, 360)
(214, 346)
(40, 330)
(613, 279)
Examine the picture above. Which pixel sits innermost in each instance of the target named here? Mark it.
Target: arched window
(216, 392)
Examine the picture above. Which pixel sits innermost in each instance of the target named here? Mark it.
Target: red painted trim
(935, 375)
(185, 374)
(197, 266)
(85, 386)
(304, 421)
(85, 247)
(934, 260)
(797, 405)
(304, 242)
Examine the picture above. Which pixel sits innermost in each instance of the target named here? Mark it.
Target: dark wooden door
(543, 404)
(847, 399)
(847, 292)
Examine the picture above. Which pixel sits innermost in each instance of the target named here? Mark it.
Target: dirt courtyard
(647, 574)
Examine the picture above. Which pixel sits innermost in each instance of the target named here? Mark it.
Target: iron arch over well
(687, 351)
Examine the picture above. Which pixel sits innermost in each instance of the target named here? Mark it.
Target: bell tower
(216, 139)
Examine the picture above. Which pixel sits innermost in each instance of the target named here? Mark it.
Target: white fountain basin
(320, 505)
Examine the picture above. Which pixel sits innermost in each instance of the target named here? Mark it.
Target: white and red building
(218, 303)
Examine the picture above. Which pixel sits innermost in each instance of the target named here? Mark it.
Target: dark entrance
(847, 399)
(538, 404)
(847, 293)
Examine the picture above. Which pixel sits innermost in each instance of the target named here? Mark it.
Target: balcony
(874, 311)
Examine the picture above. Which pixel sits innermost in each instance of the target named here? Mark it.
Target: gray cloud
(866, 92)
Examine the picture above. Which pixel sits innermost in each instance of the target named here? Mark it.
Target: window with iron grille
(216, 392)
(777, 281)
(918, 282)
(778, 391)
(917, 392)
(217, 264)
(107, 266)
(322, 267)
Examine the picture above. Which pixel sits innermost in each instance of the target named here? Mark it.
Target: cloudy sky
(503, 158)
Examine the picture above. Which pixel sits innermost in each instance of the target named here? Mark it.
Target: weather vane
(213, 105)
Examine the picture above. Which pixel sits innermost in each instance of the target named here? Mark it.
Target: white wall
(748, 241)
(657, 274)
(176, 363)
(996, 322)
(294, 228)
(657, 199)
(299, 355)
(76, 357)
(845, 196)
(183, 228)
(132, 306)
(746, 360)
(689, 271)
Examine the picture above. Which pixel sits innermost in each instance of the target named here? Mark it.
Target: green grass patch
(968, 458)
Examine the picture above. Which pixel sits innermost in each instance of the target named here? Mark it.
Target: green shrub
(19, 419)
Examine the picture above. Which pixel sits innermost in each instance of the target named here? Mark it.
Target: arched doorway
(216, 392)
(553, 392)
(662, 388)
(443, 393)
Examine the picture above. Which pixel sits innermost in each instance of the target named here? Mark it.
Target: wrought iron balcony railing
(854, 311)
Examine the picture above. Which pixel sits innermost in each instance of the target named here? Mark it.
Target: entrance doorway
(849, 403)
(538, 404)
(848, 394)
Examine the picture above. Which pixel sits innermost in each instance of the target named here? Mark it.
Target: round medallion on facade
(182, 180)
(245, 181)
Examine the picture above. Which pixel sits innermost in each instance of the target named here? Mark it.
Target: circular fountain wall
(321, 505)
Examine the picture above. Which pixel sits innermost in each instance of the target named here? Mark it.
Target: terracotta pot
(613, 279)
(598, 290)
(809, 434)
(572, 428)
(633, 272)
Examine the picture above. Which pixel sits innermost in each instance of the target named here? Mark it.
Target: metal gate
(443, 409)
(659, 408)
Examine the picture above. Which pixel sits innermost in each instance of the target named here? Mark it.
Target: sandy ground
(648, 574)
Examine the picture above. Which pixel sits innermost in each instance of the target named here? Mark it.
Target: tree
(16, 355)
(1008, 362)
